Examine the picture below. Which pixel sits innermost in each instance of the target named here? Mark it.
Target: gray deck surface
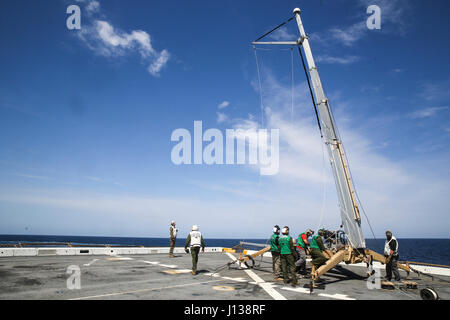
(157, 276)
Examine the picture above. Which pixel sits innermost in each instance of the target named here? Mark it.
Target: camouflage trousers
(194, 252)
(276, 264)
(288, 267)
(318, 258)
(172, 245)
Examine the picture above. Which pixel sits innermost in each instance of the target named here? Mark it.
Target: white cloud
(29, 176)
(93, 7)
(94, 178)
(221, 117)
(394, 19)
(106, 40)
(349, 35)
(118, 42)
(282, 34)
(337, 60)
(426, 112)
(395, 14)
(223, 105)
(436, 91)
(159, 63)
(388, 188)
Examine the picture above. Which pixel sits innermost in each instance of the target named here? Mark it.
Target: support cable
(322, 210)
(292, 85)
(260, 89)
(310, 91)
(277, 27)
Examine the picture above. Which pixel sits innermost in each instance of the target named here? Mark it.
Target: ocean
(436, 251)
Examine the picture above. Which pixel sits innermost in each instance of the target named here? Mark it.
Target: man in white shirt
(391, 255)
(195, 241)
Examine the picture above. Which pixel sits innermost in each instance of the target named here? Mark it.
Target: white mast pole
(351, 219)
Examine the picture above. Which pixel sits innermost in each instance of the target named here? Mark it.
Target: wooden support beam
(330, 264)
(380, 258)
(253, 256)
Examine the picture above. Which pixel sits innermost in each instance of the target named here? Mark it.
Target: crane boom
(351, 219)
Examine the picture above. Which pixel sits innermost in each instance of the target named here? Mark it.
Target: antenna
(348, 206)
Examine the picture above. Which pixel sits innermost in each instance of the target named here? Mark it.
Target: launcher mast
(348, 206)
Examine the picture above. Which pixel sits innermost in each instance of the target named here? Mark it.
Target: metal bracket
(301, 39)
(291, 43)
(325, 101)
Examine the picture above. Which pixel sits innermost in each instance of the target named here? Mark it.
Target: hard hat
(276, 228)
(172, 222)
(194, 227)
(285, 230)
(310, 231)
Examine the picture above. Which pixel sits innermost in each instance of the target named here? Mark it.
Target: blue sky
(86, 116)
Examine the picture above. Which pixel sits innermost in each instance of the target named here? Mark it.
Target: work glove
(203, 249)
(186, 250)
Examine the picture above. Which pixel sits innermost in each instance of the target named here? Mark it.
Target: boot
(278, 279)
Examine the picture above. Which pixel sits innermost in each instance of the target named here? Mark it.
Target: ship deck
(156, 276)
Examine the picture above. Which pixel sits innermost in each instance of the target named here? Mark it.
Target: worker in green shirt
(275, 251)
(317, 249)
(287, 258)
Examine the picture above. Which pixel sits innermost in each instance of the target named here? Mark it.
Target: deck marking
(268, 287)
(178, 271)
(235, 279)
(171, 266)
(90, 263)
(151, 262)
(143, 290)
(326, 295)
(299, 290)
(212, 274)
(119, 259)
(336, 296)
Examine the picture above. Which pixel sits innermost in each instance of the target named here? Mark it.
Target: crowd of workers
(289, 254)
